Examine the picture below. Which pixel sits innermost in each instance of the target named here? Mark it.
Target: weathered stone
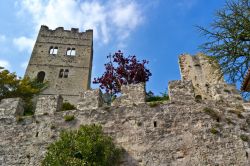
(11, 107)
(48, 104)
(90, 99)
(131, 94)
(181, 91)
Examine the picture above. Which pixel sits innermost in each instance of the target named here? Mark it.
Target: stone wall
(131, 94)
(174, 133)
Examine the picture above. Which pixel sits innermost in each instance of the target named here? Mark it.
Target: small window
(53, 50)
(40, 76)
(71, 52)
(66, 72)
(61, 73)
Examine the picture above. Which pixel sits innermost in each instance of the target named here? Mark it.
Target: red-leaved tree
(122, 71)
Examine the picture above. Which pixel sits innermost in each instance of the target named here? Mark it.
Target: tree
(87, 146)
(12, 86)
(122, 71)
(229, 39)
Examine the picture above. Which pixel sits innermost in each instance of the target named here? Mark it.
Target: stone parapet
(181, 91)
(48, 104)
(11, 107)
(90, 99)
(131, 94)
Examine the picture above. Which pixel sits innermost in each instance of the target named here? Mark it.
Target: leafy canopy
(87, 146)
(229, 39)
(121, 70)
(12, 86)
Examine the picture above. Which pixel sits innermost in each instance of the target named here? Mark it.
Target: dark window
(61, 73)
(66, 73)
(71, 52)
(155, 124)
(40, 76)
(53, 50)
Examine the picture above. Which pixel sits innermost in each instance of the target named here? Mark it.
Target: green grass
(68, 118)
(214, 131)
(67, 106)
(244, 138)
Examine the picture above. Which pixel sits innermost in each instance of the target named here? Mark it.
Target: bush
(86, 146)
(68, 106)
(68, 118)
(244, 137)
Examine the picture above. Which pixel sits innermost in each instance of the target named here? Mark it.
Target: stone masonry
(63, 58)
(183, 131)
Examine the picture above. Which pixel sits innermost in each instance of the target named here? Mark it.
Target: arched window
(40, 76)
(53, 50)
(71, 52)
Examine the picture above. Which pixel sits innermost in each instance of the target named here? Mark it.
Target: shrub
(151, 97)
(154, 103)
(68, 118)
(86, 146)
(244, 137)
(67, 106)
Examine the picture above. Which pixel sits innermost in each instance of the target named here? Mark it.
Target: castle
(62, 58)
(205, 122)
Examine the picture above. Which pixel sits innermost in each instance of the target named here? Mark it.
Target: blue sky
(155, 30)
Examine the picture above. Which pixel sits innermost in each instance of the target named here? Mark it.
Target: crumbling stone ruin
(63, 58)
(186, 130)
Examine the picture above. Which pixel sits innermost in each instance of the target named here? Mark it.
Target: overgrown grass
(214, 131)
(155, 103)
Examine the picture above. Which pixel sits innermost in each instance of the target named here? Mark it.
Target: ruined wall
(207, 79)
(179, 132)
(78, 66)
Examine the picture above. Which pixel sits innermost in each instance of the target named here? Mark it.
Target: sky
(155, 30)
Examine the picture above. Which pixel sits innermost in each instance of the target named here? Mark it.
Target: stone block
(90, 99)
(11, 107)
(181, 91)
(131, 94)
(48, 104)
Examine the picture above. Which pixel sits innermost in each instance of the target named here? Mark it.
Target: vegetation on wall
(87, 146)
(121, 70)
(229, 39)
(12, 86)
(67, 106)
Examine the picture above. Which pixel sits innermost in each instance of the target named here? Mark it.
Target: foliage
(68, 118)
(87, 146)
(229, 39)
(154, 103)
(67, 106)
(121, 70)
(151, 97)
(12, 86)
(214, 131)
(244, 137)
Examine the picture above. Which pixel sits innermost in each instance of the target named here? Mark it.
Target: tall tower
(63, 58)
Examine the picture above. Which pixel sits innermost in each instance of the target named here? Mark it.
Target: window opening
(61, 73)
(66, 72)
(155, 124)
(53, 50)
(71, 52)
(40, 76)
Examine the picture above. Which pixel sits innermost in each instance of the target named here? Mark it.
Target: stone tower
(63, 58)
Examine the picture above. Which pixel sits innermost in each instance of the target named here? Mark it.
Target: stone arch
(40, 76)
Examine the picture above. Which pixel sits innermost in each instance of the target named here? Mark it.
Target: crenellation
(11, 107)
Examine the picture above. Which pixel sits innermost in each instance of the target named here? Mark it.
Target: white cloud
(23, 43)
(114, 19)
(5, 64)
(186, 4)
